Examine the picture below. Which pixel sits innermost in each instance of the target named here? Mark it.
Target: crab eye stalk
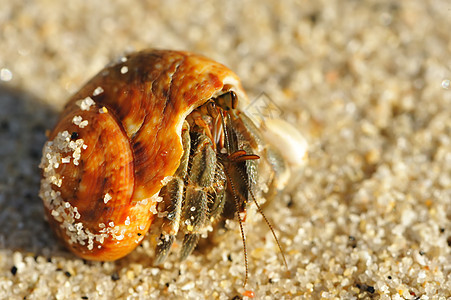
(228, 101)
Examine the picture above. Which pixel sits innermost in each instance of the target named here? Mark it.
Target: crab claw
(291, 145)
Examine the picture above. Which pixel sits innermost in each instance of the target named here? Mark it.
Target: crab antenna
(243, 236)
(259, 209)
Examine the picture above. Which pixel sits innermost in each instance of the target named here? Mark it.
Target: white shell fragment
(97, 91)
(124, 70)
(107, 198)
(86, 103)
(78, 120)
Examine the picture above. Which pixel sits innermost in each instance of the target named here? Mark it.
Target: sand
(365, 82)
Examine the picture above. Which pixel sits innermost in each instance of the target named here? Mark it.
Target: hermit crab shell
(117, 142)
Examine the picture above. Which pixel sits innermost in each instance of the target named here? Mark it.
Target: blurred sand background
(364, 81)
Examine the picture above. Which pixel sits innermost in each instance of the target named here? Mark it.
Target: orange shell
(101, 179)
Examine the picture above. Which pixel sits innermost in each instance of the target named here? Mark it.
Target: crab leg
(172, 195)
(200, 181)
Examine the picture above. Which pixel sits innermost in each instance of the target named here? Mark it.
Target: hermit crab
(157, 141)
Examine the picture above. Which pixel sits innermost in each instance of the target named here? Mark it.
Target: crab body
(155, 141)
